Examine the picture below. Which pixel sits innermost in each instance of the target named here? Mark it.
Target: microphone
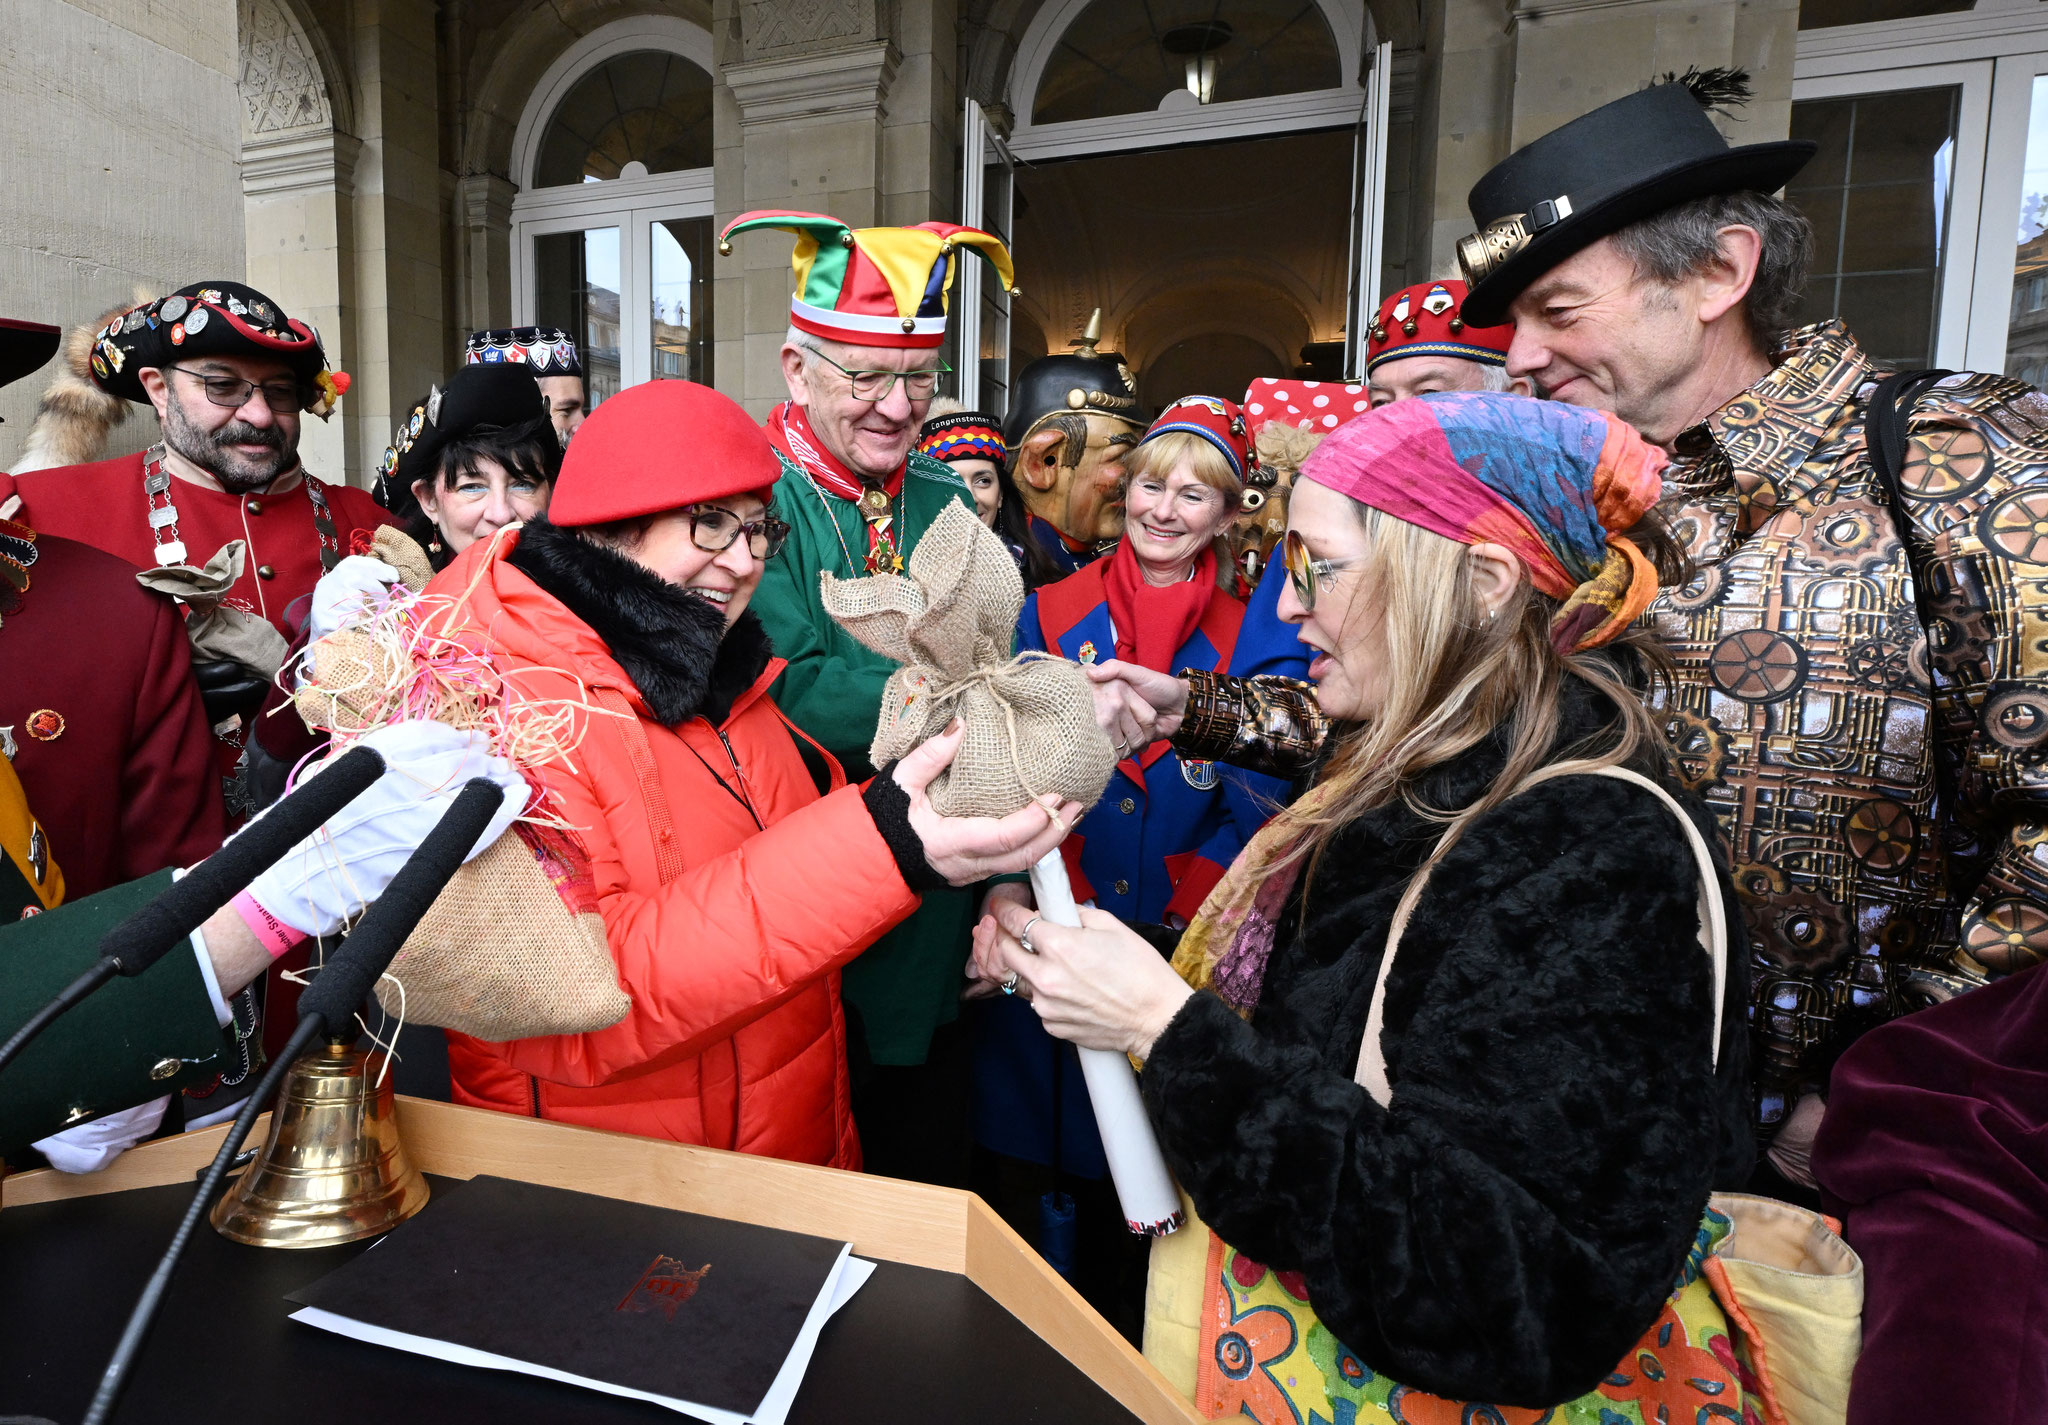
(325, 1007)
(146, 936)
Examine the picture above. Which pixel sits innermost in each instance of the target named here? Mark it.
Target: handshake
(1136, 705)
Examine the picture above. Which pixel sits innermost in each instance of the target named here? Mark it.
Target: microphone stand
(330, 1001)
(144, 937)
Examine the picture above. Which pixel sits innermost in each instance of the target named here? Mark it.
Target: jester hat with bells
(873, 286)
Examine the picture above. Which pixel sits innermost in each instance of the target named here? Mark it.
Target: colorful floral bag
(1260, 1352)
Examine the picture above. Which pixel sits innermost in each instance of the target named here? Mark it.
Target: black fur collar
(673, 645)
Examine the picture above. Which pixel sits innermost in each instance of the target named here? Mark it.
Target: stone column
(402, 345)
(1572, 56)
(297, 188)
(802, 105)
(484, 211)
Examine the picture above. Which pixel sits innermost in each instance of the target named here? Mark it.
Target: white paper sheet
(849, 1274)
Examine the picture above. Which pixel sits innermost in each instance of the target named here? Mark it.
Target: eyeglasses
(1305, 573)
(876, 385)
(713, 530)
(232, 392)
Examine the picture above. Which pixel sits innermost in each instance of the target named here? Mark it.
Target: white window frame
(629, 204)
(1207, 123)
(1995, 51)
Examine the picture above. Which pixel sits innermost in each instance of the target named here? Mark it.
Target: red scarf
(789, 431)
(1153, 621)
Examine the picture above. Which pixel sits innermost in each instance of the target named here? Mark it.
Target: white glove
(92, 1145)
(345, 590)
(325, 880)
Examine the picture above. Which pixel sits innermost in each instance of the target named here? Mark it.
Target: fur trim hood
(76, 416)
(675, 647)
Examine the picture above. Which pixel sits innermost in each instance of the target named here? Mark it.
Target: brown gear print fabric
(1868, 718)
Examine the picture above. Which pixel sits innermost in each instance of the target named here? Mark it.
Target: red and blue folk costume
(1149, 851)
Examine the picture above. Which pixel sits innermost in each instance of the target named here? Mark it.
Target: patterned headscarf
(1556, 485)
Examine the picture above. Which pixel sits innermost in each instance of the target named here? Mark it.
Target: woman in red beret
(735, 870)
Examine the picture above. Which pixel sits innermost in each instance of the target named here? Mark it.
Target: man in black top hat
(1073, 418)
(1860, 692)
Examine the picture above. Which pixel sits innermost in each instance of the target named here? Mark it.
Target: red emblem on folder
(665, 1285)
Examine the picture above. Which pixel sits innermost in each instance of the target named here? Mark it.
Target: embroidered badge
(45, 725)
(1088, 653)
(665, 1285)
(1198, 773)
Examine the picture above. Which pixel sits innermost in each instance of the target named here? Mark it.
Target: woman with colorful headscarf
(1454, 1053)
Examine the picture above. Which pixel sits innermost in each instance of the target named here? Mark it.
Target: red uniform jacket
(103, 505)
(111, 742)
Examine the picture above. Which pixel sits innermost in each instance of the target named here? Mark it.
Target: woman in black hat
(471, 459)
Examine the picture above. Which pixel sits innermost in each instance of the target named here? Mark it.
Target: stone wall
(121, 129)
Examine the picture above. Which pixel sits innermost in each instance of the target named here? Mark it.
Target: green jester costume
(886, 288)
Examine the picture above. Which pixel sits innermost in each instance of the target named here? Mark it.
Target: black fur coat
(1507, 1229)
(673, 645)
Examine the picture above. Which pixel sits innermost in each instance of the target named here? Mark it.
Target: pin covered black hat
(477, 399)
(1072, 382)
(1625, 161)
(548, 351)
(215, 318)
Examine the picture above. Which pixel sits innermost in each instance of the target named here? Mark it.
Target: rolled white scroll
(1144, 1188)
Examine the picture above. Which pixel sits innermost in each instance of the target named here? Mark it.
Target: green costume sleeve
(132, 1041)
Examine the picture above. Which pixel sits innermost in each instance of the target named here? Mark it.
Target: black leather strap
(1884, 423)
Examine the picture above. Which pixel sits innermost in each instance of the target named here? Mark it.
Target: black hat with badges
(216, 318)
(1625, 161)
(501, 396)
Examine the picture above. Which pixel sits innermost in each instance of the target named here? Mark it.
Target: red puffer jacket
(736, 1038)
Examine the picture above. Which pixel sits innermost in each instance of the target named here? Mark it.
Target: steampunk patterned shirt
(1862, 692)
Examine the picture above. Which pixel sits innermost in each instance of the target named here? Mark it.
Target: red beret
(1428, 320)
(662, 445)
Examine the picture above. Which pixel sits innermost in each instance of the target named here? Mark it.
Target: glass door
(1894, 196)
(978, 336)
(576, 290)
(1368, 210)
(634, 293)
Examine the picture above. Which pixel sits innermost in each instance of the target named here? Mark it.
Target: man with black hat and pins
(1860, 694)
(230, 376)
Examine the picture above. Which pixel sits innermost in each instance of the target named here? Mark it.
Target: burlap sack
(1030, 721)
(514, 946)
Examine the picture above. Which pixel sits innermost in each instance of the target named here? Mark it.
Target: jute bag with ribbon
(514, 946)
(1030, 720)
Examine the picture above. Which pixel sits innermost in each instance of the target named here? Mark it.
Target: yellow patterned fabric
(1264, 1356)
(29, 878)
(1867, 718)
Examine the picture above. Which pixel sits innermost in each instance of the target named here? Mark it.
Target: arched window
(1120, 58)
(612, 224)
(649, 108)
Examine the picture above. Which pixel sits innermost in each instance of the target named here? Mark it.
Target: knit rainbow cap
(873, 286)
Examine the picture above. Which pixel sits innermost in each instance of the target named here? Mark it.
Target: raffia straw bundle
(514, 946)
(1030, 720)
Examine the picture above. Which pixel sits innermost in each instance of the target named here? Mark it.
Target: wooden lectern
(969, 1323)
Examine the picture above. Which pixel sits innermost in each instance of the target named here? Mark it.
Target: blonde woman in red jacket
(735, 870)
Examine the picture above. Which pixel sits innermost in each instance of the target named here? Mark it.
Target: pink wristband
(274, 935)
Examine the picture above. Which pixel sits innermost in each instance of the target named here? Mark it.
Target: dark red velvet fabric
(1935, 1150)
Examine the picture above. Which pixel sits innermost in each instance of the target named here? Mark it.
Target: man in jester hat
(862, 361)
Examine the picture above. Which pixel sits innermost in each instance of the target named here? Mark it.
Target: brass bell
(332, 1169)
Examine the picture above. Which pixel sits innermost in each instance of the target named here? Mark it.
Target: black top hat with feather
(1626, 160)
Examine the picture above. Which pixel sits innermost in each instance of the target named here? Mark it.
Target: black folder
(692, 1310)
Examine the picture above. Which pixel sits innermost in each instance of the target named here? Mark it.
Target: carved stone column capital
(299, 160)
(846, 81)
